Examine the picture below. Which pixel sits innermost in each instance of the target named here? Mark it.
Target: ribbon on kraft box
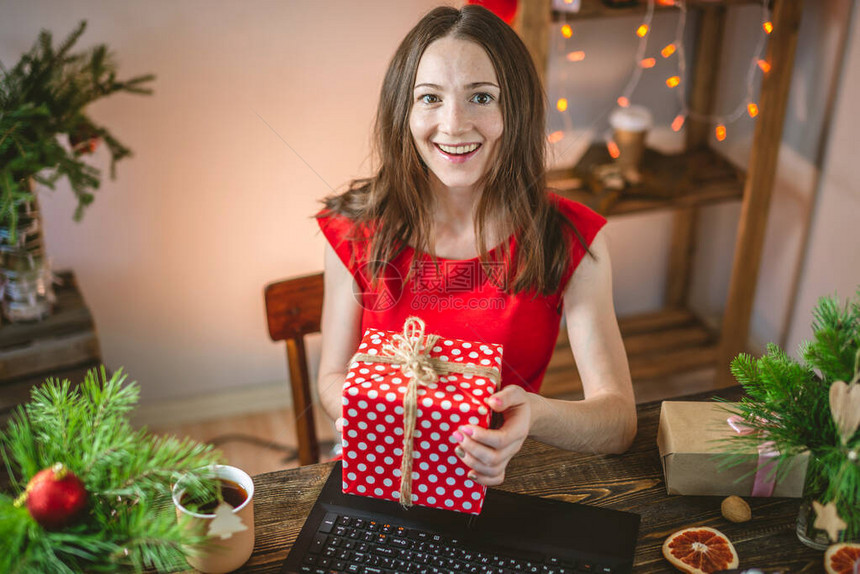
(764, 480)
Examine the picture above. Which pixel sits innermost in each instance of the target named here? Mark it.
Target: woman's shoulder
(340, 226)
(346, 212)
(586, 221)
(346, 235)
(329, 216)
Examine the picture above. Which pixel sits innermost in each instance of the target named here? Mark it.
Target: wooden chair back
(293, 310)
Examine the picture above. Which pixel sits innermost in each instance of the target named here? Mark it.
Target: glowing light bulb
(577, 56)
(561, 104)
(642, 30)
(764, 65)
(666, 2)
(555, 137)
(648, 62)
(752, 109)
(668, 50)
(614, 152)
(721, 132)
(768, 27)
(673, 81)
(678, 122)
(623, 102)
(566, 31)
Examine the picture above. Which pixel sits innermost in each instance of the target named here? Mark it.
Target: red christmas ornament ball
(504, 9)
(55, 497)
(83, 142)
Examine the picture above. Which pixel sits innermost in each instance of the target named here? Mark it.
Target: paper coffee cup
(630, 126)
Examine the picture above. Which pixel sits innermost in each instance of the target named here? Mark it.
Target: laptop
(514, 533)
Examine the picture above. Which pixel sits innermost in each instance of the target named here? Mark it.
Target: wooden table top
(632, 481)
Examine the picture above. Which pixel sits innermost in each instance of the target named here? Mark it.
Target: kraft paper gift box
(450, 379)
(689, 438)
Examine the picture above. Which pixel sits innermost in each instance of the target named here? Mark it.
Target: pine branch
(156, 543)
(21, 450)
(745, 370)
(128, 474)
(69, 42)
(836, 330)
(135, 85)
(13, 531)
(788, 403)
(61, 84)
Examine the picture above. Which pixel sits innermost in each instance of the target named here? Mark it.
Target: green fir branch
(836, 337)
(43, 98)
(14, 523)
(128, 475)
(157, 544)
(787, 401)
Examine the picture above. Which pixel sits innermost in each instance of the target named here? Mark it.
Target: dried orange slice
(700, 550)
(843, 558)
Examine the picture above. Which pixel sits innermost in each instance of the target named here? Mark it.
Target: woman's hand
(487, 451)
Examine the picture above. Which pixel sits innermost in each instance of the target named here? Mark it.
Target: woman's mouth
(458, 153)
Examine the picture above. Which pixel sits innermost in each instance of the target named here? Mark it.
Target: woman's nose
(455, 118)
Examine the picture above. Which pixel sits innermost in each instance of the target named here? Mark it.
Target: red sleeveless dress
(456, 300)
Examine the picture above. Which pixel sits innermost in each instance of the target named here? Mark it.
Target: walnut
(736, 509)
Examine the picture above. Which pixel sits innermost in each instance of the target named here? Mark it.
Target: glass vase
(26, 280)
(822, 487)
(806, 531)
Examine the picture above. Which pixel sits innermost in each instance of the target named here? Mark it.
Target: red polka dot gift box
(404, 397)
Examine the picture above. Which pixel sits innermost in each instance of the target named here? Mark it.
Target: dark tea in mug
(232, 493)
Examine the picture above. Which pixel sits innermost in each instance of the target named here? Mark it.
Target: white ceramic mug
(221, 555)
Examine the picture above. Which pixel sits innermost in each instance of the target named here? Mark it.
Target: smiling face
(456, 120)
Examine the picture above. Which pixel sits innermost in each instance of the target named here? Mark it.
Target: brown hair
(397, 202)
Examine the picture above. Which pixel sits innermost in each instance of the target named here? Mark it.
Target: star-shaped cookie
(827, 519)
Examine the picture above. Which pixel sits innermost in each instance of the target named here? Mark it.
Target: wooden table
(632, 481)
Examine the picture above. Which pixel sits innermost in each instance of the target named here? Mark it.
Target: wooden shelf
(687, 179)
(596, 9)
(658, 344)
(682, 183)
(64, 345)
(664, 342)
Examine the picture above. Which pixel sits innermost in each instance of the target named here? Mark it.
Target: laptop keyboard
(353, 545)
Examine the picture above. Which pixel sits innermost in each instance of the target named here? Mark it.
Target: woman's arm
(604, 421)
(341, 325)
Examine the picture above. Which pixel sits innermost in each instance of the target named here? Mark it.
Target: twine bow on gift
(410, 351)
(763, 482)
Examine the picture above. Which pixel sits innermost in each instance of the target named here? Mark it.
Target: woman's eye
(483, 98)
(428, 99)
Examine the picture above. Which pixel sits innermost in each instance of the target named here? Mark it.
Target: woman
(456, 227)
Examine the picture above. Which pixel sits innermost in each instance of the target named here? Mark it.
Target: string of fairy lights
(646, 60)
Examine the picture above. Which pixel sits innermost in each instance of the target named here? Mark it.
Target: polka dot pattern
(373, 409)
